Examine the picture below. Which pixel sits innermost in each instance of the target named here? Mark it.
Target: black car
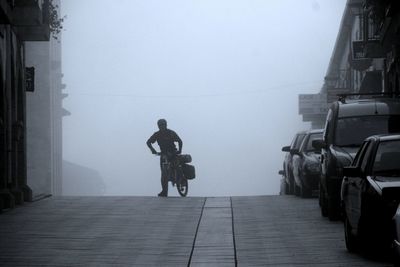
(348, 123)
(307, 165)
(287, 163)
(370, 193)
(396, 241)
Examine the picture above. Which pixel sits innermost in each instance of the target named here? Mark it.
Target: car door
(288, 159)
(298, 159)
(357, 185)
(349, 192)
(295, 146)
(324, 151)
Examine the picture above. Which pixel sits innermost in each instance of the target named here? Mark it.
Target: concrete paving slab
(214, 239)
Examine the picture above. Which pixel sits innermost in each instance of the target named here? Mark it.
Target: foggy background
(225, 74)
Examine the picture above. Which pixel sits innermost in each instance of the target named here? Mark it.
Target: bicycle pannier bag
(189, 171)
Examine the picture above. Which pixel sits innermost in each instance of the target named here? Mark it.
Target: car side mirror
(318, 144)
(352, 171)
(281, 172)
(286, 149)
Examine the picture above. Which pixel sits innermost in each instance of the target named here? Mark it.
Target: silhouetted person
(166, 139)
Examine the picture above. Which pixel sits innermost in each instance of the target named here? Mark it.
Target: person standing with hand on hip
(165, 139)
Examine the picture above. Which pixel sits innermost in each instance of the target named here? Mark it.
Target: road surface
(192, 231)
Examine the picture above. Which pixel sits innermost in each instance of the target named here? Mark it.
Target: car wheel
(396, 261)
(395, 257)
(323, 202)
(287, 188)
(292, 186)
(319, 195)
(367, 242)
(296, 190)
(305, 192)
(375, 238)
(333, 212)
(350, 238)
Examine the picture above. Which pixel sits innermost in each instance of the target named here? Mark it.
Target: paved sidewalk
(150, 231)
(289, 231)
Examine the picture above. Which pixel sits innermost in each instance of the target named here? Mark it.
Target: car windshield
(387, 159)
(298, 141)
(353, 130)
(308, 146)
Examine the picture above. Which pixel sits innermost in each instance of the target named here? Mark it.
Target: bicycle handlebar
(159, 154)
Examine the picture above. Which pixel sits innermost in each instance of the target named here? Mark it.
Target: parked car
(287, 163)
(370, 193)
(348, 123)
(307, 165)
(396, 241)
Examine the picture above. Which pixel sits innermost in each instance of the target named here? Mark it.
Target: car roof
(369, 107)
(301, 132)
(385, 137)
(316, 131)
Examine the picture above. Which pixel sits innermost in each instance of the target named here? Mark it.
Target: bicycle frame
(171, 167)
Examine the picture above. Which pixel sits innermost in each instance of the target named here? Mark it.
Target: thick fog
(225, 74)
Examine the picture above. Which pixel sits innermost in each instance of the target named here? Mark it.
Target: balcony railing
(27, 12)
(341, 80)
(31, 19)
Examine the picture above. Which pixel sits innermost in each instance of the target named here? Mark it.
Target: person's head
(162, 124)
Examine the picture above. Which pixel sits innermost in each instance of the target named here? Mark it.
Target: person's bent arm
(180, 145)
(149, 142)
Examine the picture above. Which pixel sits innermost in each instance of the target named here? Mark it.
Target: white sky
(225, 74)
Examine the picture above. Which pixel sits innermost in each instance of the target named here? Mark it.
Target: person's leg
(164, 180)
(164, 184)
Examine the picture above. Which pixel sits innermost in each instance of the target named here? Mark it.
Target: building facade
(365, 59)
(44, 118)
(24, 33)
